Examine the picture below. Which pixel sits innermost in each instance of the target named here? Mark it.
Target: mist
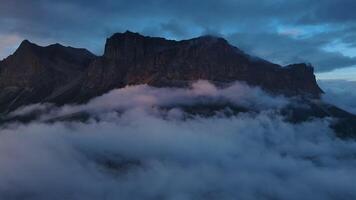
(135, 149)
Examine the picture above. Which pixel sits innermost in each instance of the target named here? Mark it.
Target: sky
(319, 32)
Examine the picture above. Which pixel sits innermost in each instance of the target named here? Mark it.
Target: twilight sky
(320, 32)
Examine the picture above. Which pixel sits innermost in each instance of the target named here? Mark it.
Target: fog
(133, 149)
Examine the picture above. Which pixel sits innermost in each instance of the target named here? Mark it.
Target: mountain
(131, 58)
(37, 74)
(64, 75)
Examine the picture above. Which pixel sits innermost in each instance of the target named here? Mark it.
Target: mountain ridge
(160, 62)
(61, 75)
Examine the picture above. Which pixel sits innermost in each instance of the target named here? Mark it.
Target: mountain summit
(61, 75)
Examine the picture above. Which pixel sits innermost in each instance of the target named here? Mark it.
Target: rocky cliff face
(131, 58)
(67, 75)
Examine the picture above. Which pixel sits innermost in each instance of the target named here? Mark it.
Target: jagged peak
(26, 43)
(28, 47)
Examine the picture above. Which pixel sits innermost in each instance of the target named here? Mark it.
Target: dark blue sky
(320, 32)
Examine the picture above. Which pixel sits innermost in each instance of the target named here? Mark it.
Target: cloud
(144, 96)
(340, 93)
(87, 23)
(140, 153)
(285, 49)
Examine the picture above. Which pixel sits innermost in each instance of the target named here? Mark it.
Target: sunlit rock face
(63, 75)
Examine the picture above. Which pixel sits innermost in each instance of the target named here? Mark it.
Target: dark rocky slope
(37, 74)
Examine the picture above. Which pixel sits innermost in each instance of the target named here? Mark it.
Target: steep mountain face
(131, 58)
(63, 75)
(36, 74)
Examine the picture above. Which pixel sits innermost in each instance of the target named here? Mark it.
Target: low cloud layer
(143, 152)
(146, 97)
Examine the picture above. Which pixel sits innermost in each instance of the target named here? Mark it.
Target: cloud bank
(132, 149)
(146, 97)
(320, 32)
